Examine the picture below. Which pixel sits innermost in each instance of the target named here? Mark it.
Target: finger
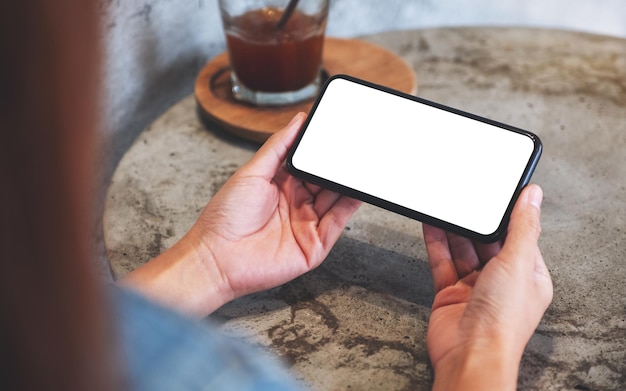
(325, 214)
(463, 254)
(524, 228)
(439, 258)
(486, 251)
(324, 200)
(313, 189)
(335, 219)
(319, 199)
(270, 156)
(521, 251)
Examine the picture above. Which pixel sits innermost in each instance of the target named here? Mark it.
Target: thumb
(270, 156)
(524, 227)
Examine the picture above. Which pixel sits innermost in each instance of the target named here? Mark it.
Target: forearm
(183, 278)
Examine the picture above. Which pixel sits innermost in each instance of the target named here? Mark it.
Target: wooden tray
(348, 56)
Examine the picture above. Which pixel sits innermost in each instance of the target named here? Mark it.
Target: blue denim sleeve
(163, 350)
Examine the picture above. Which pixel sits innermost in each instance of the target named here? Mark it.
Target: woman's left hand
(263, 228)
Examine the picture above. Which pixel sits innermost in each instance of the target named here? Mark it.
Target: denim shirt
(163, 350)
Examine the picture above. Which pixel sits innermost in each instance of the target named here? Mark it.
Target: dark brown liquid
(268, 59)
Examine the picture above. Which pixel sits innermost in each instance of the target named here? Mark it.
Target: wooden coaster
(347, 56)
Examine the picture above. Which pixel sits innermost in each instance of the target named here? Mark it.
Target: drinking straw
(288, 11)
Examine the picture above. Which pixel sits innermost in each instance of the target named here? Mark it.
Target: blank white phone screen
(435, 162)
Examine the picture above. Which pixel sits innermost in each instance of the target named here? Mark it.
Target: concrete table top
(359, 320)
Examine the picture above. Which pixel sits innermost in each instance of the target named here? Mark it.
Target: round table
(359, 321)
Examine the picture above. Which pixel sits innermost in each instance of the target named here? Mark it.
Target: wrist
(186, 278)
(478, 365)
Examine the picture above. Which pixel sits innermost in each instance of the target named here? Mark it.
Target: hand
(484, 313)
(263, 228)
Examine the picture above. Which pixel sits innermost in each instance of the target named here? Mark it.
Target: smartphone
(418, 158)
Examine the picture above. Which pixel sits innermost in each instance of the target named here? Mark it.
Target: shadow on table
(366, 306)
(351, 264)
(362, 314)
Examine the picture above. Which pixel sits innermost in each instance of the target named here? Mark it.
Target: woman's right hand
(489, 299)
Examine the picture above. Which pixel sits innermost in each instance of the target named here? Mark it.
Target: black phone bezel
(411, 213)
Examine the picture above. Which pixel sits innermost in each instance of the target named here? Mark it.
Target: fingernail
(295, 119)
(535, 195)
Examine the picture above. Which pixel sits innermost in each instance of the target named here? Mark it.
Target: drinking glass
(275, 48)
